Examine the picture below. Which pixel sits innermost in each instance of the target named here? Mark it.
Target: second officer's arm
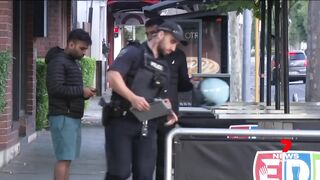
(118, 85)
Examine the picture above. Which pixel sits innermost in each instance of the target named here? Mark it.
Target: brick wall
(56, 28)
(30, 108)
(5, 25)
(34, 47)
(8, 134)
(69, 16)
(54, 37)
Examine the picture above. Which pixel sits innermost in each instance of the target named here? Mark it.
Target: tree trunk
(313, 52)
(235, 60)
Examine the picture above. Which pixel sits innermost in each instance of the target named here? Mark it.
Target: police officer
(127, 149)
(178, 82)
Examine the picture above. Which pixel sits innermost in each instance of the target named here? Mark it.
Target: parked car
(297, 66)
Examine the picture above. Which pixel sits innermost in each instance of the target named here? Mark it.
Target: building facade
(97, 11)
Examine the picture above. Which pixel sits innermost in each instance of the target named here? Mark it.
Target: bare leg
(61, 170)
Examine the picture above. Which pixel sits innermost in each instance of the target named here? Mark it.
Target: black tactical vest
(148, 77)
(151, 79)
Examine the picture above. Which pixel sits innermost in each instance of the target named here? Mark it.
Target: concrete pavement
(36, 160)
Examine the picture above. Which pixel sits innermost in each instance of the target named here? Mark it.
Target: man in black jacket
(178, 82)
(66, 99)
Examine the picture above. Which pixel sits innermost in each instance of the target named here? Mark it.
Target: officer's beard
(161, 51)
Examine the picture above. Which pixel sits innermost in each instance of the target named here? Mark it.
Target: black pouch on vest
(110, 112)
(106, 111)
(107, 114)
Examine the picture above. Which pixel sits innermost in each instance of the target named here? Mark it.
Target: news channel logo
(291, 165)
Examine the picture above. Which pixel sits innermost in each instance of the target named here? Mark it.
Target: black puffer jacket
(64, 84)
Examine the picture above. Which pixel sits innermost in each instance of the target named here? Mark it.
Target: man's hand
(140, 103)
(195, 80)
(94, 90)
(172, 118)
(88, 92)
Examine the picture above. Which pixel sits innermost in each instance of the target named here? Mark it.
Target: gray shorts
(66, 136)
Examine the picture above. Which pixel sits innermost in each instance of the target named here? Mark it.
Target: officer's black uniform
(124, 143)
(179, 82)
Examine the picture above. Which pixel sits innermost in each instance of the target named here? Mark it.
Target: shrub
(5, 59)
(41, 95)
(88, 66)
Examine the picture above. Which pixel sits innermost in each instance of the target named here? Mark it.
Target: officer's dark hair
(135, 43)
(153, 21)
(79, 35)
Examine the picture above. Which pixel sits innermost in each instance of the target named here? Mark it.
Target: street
(295, 87)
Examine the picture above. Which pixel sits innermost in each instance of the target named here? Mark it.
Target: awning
(125, 5)
(187, 5)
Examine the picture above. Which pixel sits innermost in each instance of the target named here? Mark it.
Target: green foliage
(139, 33)
(5, 59)
(239, 6)
(88, 66)
(41, 96)
(298, 15)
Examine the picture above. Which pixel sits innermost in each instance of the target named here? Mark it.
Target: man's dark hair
(79, 35)
(153, 21)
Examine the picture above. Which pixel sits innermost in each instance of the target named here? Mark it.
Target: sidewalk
(36, 160)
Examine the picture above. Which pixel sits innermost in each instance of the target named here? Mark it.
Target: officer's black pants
(162, 133)
(127, 151)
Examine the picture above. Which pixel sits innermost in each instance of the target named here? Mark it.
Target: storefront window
(134, 33)
(191, 34)
(209, 40)
(211, 47)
